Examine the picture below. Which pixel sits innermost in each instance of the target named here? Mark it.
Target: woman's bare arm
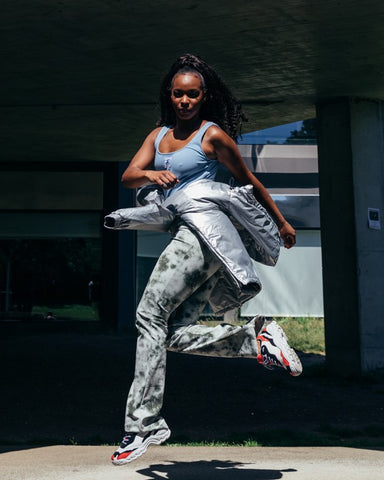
(140, 170)
(228, 154)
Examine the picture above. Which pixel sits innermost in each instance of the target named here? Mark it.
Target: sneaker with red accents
(274, 350)
(135, 444)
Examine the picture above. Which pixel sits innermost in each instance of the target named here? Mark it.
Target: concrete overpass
(78, 93)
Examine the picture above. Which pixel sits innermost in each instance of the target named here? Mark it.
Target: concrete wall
(351, 180)
(368, 184)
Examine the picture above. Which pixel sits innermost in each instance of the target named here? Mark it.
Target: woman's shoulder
(152, 135)
(156, 131)
(216, 134)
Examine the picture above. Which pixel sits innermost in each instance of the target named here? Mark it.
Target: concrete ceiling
(80, 77)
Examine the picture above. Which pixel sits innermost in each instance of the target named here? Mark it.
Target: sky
(270, 135)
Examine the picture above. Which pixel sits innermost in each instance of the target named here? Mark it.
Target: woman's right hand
(140, 170)
(164, 178)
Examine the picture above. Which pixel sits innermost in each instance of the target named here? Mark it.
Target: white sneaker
(274, 350)
(135, 444)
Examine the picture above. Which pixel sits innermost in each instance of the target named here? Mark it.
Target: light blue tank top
(188, 163)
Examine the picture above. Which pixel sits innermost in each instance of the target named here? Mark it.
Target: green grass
(305, 334)
(365, 437)
(215, 443)
(369, 436)
(67, 312)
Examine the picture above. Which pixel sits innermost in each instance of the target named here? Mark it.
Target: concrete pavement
(197, 463)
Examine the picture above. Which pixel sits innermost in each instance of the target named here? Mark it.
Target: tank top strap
(160, 136)
(200, 134)
(196, 139)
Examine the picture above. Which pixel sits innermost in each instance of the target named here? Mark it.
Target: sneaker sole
(294, 364)
(143, 448)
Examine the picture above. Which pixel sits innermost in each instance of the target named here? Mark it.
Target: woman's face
(187, 95)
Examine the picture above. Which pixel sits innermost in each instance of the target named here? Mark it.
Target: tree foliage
(307, 134)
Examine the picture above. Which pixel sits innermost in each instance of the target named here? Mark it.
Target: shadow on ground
(60, 386)
(220, 470)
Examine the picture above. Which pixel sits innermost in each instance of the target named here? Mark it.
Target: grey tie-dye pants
(167, 316)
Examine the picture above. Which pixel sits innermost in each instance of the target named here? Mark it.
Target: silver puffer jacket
(229, 220)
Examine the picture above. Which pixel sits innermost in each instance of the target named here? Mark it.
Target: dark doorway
(50, 279)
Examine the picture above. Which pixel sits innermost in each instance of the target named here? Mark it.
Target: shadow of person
(208, 470)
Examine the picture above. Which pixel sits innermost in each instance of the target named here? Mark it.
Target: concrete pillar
(351, 177)
(118, 305)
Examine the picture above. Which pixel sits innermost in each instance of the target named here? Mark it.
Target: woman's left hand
(288, 235)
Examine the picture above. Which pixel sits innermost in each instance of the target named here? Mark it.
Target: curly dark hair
(220, 105)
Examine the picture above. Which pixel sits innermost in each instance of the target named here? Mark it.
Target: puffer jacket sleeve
(149, 215)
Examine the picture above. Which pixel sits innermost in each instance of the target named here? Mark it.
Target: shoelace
(269, 360)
